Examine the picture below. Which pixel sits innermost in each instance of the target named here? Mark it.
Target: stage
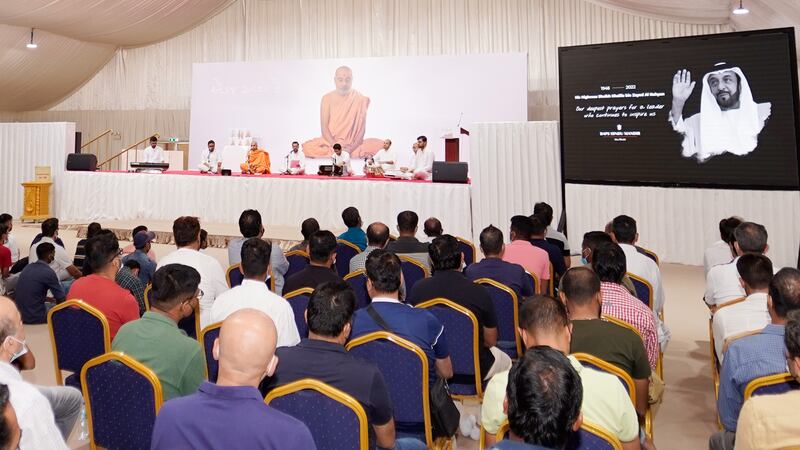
(284, 201)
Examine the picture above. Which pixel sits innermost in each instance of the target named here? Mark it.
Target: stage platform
(284, 202)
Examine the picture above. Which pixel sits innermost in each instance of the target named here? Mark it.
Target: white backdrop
(24, 146)
(279, 101)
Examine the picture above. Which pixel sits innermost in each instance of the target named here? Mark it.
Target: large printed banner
(356, 102)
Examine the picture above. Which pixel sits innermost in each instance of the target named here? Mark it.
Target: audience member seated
(36, 417)
(354, 234)
(722, 251)
(254, 293)
(212, 277)
(80, 248)
(773, 421)
(544, 321)
(203, 240)
(751, 314)
(492, 265)
(321, 255)
(307, 228)
(591, 240)
(554, 254)
(132, 248)
(251, 226)
(543, 401)
(7, 281)
(406, 243)
(432, 228)
(62, 264)
(521, 251)
(128, 278)
(722, 281)
(448, 282)
(642, 266)
(8, 221)
(147, 267)
(609, 264)
(329, 316)
(39, 237)
(416, 325)
(156, 341)
(377, 238)
(232, 412)
(100, 288)
(545, 213)
(617, 345)
(755, 356)
(10, 433)
(34, 283)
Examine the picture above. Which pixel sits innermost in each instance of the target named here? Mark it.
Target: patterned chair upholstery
(358, 282)
(207, 338)
(298, 300)
(771, 385)
(234, 275)
(298, 260)
(588, 437)
(78, 333)
(506, 307)
(644, 291)
(336, 420)
(122, 400)
(468, 249)
(413, 271)
(461, 331)
(345, 251)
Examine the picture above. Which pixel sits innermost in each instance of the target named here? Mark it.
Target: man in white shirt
(342, 159)
(423, 161)
(211, 160)
(11, 243)
(33, 410)
(62, 265)
(386, 158)
(154, 153)
(722, 282)
(624, 231)
(254, 293)
(186, 231)
(721, 252)
(751, 314)
(296, 160)
(251, 226)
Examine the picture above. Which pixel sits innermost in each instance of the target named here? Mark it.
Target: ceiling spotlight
(31, 44)
(741, 9)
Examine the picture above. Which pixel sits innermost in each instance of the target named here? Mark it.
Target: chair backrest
(506, 307)
(345, 251)
(337, 421)
(147, 290)
(596, 363)
(551, 283)
(234, 275)
(649, 253)
(405, 370)
(413, 271)
(588, 437)
(358, 282)
(207, 338)
(298, 300)
(122, 400)
(715, 364)
(468, 249)
(298, 260)
(78, 333)
(731, 339)
(461, 332)
(729, 303)
(644, 290)
(771, 384)
(537, 285)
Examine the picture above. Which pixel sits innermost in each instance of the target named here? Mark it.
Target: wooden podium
(451, 145)
(36, 203)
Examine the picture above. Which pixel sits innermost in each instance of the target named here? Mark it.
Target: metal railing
(123, 152)
(91, 141)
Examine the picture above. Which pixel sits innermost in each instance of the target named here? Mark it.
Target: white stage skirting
(282, 201)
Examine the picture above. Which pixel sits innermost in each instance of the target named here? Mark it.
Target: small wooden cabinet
(36, 202)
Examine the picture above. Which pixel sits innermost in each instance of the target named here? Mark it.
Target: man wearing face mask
(41, 411)
(156, 341)
(232, 412)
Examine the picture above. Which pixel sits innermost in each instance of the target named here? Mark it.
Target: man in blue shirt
(354, 234)
(147, 267)
(755, 356)
(554, 254)
(34, 282)
(251, 226)
(493, 266)
(232, 412)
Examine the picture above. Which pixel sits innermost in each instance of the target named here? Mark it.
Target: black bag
(444, 414)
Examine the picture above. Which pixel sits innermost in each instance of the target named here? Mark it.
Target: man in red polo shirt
(99, 289)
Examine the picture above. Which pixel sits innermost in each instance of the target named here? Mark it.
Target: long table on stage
(283, 200)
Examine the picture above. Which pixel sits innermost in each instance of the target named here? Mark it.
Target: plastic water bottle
(84, 434)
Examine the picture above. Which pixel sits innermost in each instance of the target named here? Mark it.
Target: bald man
(232, 413)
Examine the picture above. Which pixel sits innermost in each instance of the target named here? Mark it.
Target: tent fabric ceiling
(77, 37)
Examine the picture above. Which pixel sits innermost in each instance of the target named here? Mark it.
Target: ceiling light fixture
(31, 44)
(741, 9)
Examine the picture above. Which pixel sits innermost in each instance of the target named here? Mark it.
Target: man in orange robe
(257, 160)
(343, 119)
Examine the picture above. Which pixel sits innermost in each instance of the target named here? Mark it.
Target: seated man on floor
(132, 248)
(142, 242)
(321, 254)
(156, 341)
(257, 160)
(35, 281)
(492, 265)
(62, 264)
(128, 278)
